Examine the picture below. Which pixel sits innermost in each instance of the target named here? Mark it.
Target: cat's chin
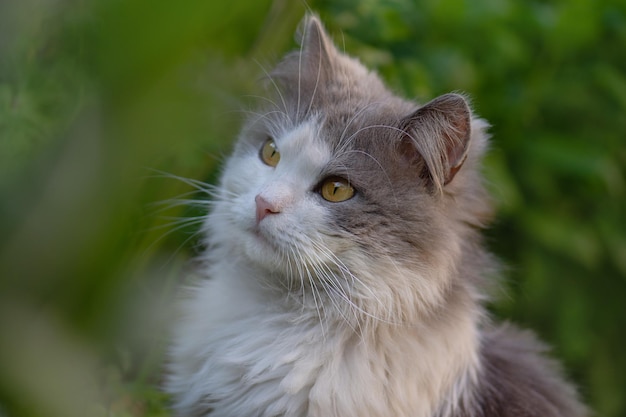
(262, 250)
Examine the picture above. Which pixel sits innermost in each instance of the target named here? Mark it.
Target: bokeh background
(105, 104)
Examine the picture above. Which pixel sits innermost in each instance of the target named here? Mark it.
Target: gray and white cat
(344, 273)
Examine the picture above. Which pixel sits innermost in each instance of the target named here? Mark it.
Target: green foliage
(98, 97)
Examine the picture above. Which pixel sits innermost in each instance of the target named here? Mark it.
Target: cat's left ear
(317, 47)
(440, 133)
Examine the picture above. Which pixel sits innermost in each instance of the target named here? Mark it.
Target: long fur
(372, 306)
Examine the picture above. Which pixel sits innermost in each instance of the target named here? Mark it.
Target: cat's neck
(430, 366)
(338, 302)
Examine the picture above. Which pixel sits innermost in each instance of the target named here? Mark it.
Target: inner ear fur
(439, 133)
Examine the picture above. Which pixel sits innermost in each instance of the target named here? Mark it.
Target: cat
(344, 273)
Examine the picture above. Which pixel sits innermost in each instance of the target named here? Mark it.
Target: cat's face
(338, 185)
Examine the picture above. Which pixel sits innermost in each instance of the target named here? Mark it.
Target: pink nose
(264, 208)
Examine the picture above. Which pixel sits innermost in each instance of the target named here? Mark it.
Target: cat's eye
(335, 189)
(269, 153)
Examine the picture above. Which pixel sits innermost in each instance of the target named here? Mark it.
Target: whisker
(285, 256)
(179, 226)
(344, 270)
(316, 295)
(274, 125)
(177, 221)
(324, 272)
(300, 275)
(280, 94)
(383, 170)
(342, 140)
(166, 205)
(263, 98)
(209, 189)
(378, 126)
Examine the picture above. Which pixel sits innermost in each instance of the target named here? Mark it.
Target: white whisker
(166, 205)
(280, 94)
(317, 298)
(206, 188)
(353, 136)
(342, 139)
(334, 276)
(180, 222)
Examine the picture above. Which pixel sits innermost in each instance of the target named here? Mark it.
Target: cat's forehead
(328, 134)
(305, 139)
(367, 130)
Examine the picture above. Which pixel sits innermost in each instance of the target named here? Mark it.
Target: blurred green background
(99, 98)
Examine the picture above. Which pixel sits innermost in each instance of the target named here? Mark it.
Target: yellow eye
(336, 189)
(269, 153)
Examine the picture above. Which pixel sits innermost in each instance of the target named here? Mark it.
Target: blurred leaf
(558, 233)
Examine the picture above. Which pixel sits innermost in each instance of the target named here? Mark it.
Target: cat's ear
(439, 132)
(312, 64)
(317, 48)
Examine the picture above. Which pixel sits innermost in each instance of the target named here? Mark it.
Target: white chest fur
(239, 355)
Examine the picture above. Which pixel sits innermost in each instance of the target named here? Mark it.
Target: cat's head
(340, 187)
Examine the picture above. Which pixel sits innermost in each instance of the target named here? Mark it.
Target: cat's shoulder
(521, 380)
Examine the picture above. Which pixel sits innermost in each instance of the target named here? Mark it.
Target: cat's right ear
(439, 134)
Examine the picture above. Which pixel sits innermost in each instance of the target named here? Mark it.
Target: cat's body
(344, 274)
